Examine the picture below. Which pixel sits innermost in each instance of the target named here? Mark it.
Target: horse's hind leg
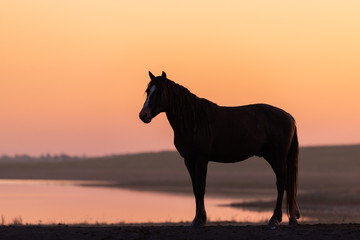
(198, 168)
(280, 172)
(280, 185)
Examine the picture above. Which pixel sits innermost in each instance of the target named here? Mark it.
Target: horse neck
(180, 112)
(187, 111)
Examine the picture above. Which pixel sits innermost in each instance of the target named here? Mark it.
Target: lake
(70, 202)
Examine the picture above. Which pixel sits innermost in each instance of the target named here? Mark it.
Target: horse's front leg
(197, 168)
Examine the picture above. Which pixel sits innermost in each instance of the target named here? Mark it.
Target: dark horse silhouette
(204, 131)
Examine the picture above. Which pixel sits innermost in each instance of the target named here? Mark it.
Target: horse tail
(292, 177)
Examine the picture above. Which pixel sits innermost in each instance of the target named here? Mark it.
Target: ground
(177, 232)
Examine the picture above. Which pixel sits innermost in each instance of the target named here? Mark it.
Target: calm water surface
(49, 202)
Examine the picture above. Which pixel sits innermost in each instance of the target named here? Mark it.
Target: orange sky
(73, 73)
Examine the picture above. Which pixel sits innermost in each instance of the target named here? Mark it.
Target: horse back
(245, 131)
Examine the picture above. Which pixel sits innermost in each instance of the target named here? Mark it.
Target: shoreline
(177, 232)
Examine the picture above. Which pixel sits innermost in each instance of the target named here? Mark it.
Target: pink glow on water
(50, 202)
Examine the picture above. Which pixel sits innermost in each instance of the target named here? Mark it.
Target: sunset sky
(73, 72)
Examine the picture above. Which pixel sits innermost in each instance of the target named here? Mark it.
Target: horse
(204, 131)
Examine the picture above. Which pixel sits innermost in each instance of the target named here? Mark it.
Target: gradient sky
(73, 73)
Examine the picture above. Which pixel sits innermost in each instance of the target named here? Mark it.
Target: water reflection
(50, 202)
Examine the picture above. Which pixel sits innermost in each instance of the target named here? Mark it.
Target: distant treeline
(43, 158)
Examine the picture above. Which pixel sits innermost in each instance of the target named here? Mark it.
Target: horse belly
(235, 148)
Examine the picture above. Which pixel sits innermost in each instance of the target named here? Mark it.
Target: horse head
(156, 100)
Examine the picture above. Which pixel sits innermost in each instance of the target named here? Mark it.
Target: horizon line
(85, 156)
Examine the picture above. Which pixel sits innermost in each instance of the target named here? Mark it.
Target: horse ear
(151, 75)
(163, 75)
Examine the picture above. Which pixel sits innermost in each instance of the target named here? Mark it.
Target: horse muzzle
(145, 115)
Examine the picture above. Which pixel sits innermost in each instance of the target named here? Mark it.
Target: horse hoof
(293, 221)
(273, 222)
(197, 223)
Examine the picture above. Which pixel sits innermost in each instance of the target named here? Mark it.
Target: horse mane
(190, 112)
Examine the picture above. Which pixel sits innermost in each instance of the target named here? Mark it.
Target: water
(67, 202)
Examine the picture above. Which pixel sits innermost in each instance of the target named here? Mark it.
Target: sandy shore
(177, 232)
